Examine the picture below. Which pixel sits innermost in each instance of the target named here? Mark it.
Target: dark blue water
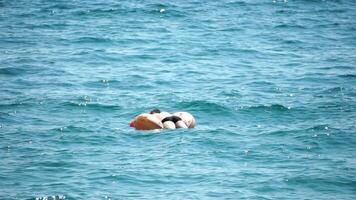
(272, 85)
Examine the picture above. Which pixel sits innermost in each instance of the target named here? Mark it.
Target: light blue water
(271, 83)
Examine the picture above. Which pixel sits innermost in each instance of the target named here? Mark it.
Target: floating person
(159, 120)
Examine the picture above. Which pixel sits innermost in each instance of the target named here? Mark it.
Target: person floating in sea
(159, 120)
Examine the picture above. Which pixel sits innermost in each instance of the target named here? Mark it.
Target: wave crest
(204, 106)
(265, 108)
(93, 106)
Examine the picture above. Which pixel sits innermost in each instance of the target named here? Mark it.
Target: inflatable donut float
(153, 121)
(146, 122)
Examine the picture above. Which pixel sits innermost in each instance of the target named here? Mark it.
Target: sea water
(271, 83)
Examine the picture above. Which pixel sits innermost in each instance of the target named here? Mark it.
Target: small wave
(292, 41)
(19, 102)
(103, 12)
(289, 26)
(232, 93)
(289, 12)
(337, 67)
(25, 15)
(266, 108)
(20, 70)
(60, 6)
(4, 116)
(348, 76)
(204, 106)
(50, 197)
(214, 142)
(95, 40)
(260, 83)
(102, 83)
(10, 105)
(103, 106)
(55, 26)
(248, 51)
(296, 132)
(236, 3)
(10, 71)
(279, 133)
(332, 10)
(170, 13)
(231, 29)
(319, 127)
(93, 106)
(328, 25)
(169, 10)
(72, 128)
(333, 90)
(223, 131)
(140, 57)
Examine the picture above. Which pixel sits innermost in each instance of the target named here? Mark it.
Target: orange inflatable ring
(146, 122)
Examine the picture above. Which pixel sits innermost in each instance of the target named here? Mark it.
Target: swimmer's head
(155, 111)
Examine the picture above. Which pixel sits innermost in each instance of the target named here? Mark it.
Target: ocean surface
(272, 85)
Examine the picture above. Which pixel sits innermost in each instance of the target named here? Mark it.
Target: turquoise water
(271, 84)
